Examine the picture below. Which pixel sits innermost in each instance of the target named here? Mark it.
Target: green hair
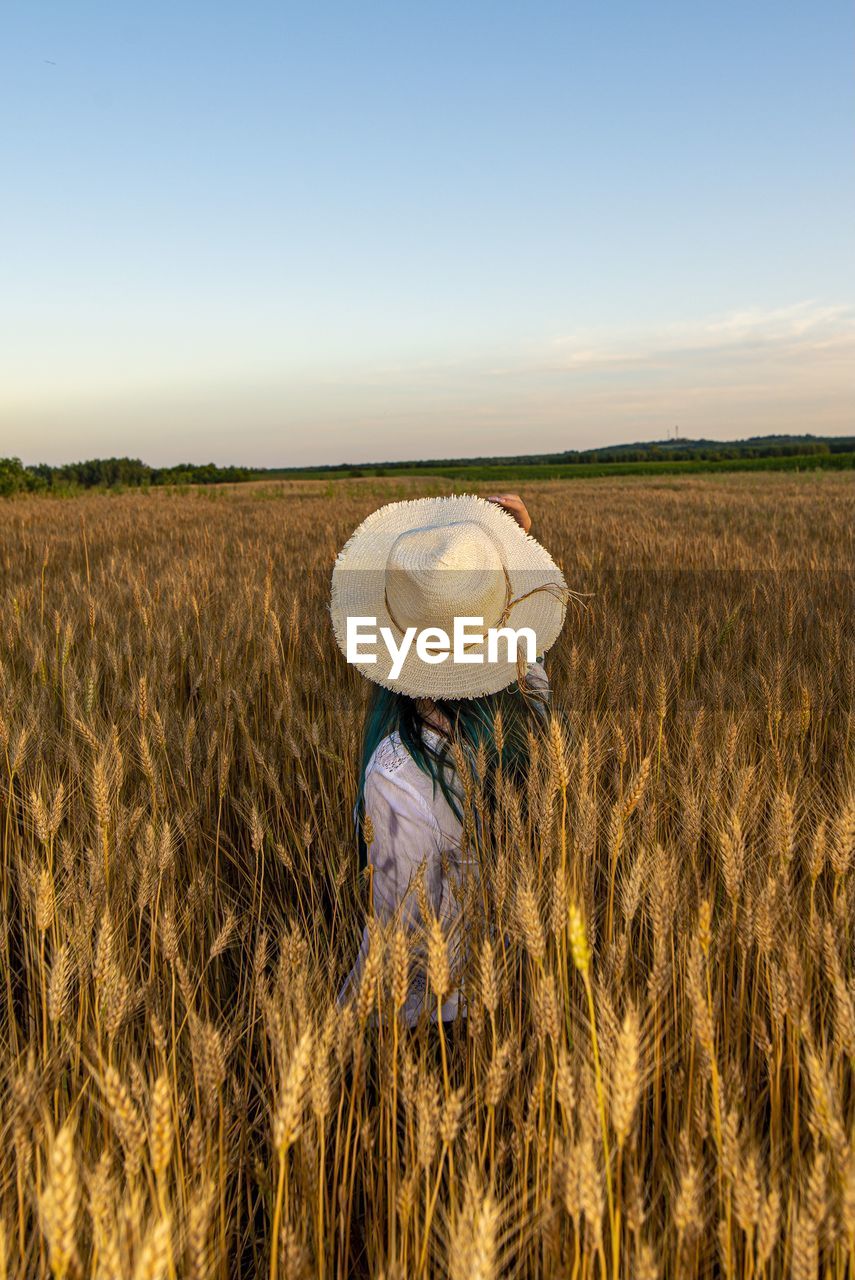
(473, 724)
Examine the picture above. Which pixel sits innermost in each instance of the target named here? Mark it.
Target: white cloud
(802, 330)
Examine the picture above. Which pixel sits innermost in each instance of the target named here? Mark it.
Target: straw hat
(423, 563)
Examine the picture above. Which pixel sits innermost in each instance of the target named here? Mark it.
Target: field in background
(522, 471)
(657, 1075)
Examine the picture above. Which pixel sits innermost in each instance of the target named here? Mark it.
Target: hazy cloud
(746, 372)
(805, 329)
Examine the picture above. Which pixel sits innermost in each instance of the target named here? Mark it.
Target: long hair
(522, 707)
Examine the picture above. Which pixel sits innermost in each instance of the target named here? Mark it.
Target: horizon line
(670, 441)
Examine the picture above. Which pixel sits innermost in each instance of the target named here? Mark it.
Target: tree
(16, 478)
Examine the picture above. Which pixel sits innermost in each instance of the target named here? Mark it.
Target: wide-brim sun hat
(424, 562)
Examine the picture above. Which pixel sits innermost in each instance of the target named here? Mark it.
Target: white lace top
(414, 823)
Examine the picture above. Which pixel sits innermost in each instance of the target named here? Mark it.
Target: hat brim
(358, 590)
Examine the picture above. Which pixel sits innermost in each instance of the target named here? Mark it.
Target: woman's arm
(514, 505)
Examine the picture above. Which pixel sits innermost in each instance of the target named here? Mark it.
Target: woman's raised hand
(514, 505)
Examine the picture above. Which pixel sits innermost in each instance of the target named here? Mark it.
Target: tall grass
(656, 1076)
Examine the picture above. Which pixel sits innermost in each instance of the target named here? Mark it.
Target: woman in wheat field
(415, 569)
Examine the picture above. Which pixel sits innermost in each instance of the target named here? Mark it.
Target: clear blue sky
(281, 233)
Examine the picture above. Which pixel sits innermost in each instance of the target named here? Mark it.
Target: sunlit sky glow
(279, 234)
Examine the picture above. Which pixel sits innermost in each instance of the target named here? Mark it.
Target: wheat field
(656, 1076)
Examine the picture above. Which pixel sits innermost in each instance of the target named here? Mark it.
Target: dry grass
(657, 1076)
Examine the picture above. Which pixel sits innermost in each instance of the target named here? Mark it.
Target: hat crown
(424, 562)
(437, 573)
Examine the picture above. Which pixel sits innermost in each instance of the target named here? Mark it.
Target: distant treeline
(110, 473)
(657, 451)
(115, 473)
